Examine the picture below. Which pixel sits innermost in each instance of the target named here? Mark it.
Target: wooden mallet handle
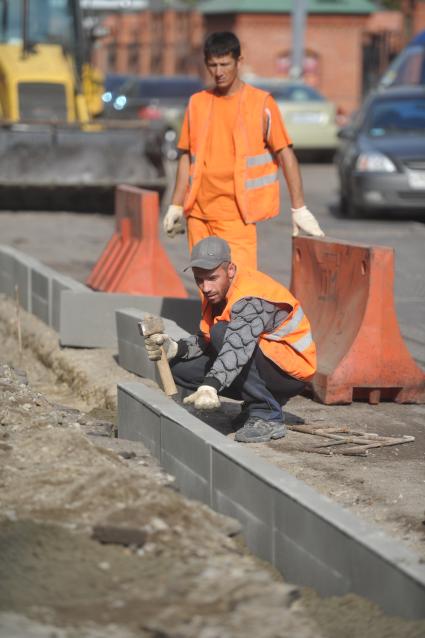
(153, 325)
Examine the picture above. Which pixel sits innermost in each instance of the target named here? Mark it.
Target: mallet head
(151, 325)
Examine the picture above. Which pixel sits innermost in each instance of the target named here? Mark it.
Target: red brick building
(164, 39)
(347, 43)
(333, 41)
(414, 16)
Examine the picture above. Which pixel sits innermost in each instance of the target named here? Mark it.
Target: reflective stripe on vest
(258, 182)
(259, 160)
(287, 328)
(303, 342)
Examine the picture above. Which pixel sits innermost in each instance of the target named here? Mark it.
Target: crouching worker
(254, 345)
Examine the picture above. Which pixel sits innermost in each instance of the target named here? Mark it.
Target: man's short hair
(222, 43)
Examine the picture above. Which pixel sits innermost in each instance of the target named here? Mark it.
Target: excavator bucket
(56, 166)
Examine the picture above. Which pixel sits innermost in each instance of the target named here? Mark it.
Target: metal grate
(42, 101)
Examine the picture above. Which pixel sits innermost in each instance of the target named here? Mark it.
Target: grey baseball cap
(209, 253)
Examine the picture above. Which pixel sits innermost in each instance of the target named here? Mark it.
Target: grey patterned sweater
(250, 317)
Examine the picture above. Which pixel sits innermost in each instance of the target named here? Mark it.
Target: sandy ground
(175, 568)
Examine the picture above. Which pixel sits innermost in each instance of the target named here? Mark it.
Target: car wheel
(354, 211)
(348, 208)
(342, 205)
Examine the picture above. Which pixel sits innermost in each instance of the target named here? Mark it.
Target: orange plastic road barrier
(134, 260)
(115, 245)
(346, 291)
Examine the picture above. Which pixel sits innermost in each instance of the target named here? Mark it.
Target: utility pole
(299, 12)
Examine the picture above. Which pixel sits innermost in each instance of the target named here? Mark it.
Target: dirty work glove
(153, 345)
(205, 398)
(303, 220)
(173, 220)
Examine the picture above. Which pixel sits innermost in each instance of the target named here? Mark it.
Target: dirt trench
(96, 541)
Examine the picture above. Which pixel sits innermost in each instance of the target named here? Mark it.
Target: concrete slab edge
(88, 318)
(82, 317)
(311, 540)
(39, 286)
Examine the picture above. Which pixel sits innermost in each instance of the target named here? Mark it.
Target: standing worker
(254, 345)
(232, 143)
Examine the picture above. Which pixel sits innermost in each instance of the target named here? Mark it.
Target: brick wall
(419, 18)
(335, 41)
(165, 43)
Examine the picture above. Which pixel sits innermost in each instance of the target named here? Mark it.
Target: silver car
(311, 119)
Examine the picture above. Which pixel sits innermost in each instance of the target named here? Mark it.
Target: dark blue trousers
(262, 385)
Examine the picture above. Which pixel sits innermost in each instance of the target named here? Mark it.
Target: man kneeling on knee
(254, 345)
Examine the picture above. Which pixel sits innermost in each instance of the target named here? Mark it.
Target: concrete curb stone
(310, 539)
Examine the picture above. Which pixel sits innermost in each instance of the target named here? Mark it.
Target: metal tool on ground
(151, 325)
(343, 436)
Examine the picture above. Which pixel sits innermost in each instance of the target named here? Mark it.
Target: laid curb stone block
(88, 318)
(310, 539)
(131, 349)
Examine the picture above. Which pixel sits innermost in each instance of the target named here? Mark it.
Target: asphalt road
(72, 242)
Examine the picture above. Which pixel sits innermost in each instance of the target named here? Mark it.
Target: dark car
(381, 159)
(146, 97)
(408, 68)
(160, 100)
(112, 84)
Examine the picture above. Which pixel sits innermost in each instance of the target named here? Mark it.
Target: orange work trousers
(241, 237)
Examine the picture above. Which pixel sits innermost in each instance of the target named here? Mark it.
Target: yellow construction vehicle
(53, 154)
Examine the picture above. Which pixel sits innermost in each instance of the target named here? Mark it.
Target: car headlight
(120, 102)
(107, 97)
(374, 163)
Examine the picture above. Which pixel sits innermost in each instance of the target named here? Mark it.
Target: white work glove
(173, 221)
(153, 345)
(303, 220)
(205, 398)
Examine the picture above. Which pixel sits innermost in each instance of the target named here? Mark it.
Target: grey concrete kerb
(39, 287)
(311, 540)
(83, 318)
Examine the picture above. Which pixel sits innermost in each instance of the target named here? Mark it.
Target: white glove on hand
(303, 220)
(153, 345)
(205, 398)
(173, 220)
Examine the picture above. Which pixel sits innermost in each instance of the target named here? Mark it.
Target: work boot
(258, 430)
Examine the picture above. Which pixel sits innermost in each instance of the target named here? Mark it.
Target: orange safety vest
(290, 346)
(256, 169)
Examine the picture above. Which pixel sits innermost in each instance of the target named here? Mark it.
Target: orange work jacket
(290, 346)
(255, 170)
